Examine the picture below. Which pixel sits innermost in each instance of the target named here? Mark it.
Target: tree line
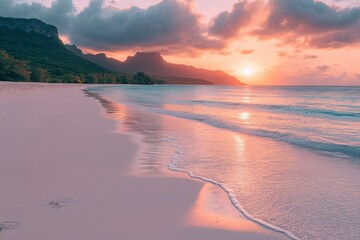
(15, 70)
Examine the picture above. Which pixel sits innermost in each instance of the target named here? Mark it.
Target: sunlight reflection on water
(305, 188)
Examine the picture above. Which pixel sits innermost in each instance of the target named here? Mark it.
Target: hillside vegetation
(153, 64)
(30, 50)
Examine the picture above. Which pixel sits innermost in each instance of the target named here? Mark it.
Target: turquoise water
(289, 157)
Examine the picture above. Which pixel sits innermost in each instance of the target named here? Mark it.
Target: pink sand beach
(65, 174)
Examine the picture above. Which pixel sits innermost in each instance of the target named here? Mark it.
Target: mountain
(30, 50)
(154, 65)
(30, 26)
(38, 43)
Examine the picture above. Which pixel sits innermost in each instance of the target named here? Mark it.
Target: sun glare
(247, 71)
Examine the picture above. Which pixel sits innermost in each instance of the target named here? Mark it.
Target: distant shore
(65, 175)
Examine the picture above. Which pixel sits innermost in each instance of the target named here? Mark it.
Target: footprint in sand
(8, 225)
(61, 203)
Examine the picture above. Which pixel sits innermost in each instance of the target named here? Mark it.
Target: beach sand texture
(64, 175)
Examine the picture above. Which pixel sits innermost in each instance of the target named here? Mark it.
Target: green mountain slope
(30, 50)
(38, 43)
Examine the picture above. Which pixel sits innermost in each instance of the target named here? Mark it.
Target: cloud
(283, 54)
(313, 23)
(174, 26)
(319, 75)
(228, 24)
(247, 51)
(310, 56)
(167, 24)
(323, 68)
(60, 13)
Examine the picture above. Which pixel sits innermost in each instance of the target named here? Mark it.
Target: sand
(64, 175)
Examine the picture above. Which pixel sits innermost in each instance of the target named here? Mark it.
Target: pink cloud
(247, 51)
(311, 23)
(227, 24)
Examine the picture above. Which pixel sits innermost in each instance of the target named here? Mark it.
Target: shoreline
(112, 108)
(75, 194)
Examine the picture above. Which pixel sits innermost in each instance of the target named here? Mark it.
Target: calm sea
(288, 157)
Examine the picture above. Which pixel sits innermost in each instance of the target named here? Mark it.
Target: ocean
(288, 157)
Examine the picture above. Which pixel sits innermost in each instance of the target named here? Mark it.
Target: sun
(247, 71)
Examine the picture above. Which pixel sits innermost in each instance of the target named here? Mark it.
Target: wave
(172, 166)
(154, 104)
(353, 114)
(285, 108)
(347, 150)
(232, 198)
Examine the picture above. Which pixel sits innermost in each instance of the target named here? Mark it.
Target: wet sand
(64, 175)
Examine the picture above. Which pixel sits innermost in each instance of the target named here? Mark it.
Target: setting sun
(247, 71)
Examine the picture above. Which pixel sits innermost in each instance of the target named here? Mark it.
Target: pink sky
(290, 42)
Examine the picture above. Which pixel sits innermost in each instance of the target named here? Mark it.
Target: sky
(272, 42)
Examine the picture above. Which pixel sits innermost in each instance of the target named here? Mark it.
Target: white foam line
(235, 203)
(232, 199)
